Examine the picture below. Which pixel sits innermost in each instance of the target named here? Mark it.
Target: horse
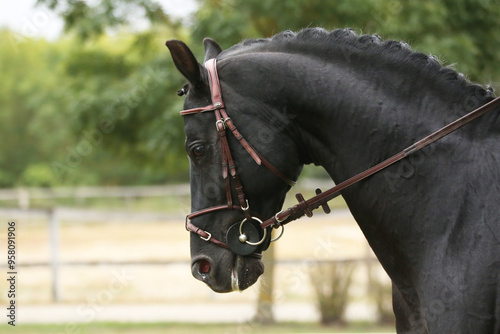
(345, 102)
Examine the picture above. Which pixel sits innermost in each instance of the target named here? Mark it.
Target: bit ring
(253, 243)
(280, 235)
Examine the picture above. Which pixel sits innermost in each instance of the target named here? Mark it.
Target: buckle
(222, 123)
(207, 238)
(247, 207)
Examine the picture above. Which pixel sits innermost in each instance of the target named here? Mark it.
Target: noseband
(243, 238)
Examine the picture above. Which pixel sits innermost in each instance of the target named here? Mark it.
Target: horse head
(238, 176)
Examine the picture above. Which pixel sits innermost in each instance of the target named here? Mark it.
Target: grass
(188, 328)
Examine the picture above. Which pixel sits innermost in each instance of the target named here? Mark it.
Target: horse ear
(185, 61)
(212, 49)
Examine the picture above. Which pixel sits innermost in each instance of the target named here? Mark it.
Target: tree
(101, 108)
(127, 80)
(125, 99)
(90, 21)
(32, 110)
(464, 32)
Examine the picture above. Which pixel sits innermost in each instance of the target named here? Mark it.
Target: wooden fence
(55, 215)
(23, 196)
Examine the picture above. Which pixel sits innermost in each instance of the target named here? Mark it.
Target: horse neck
(350, 120)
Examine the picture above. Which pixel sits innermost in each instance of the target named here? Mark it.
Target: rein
(305, 207)
(239, 235)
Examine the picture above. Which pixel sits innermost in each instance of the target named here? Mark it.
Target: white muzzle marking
(235, 283)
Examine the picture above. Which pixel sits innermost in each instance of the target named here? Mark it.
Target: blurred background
(93, 169)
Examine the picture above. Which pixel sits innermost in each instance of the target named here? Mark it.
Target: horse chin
(245, 272)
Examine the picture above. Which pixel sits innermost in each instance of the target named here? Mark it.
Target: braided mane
(345, 43)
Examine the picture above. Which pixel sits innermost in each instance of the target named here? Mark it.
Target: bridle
(242, 238)
(239, 235)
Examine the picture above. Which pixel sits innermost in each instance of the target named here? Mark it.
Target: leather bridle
(241, 243)
(237, 238)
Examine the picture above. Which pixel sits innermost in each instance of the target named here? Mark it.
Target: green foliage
(39, 175)
(30, 99)
(99, 105)
(98, 113)
(464, 32)
(127, 107)
(90, 21)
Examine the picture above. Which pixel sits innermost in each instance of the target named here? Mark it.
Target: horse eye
(199, 150)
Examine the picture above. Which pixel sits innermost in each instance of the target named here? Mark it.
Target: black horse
(346, 102)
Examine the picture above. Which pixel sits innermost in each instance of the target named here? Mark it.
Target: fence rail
(24, 195)
(54, 217)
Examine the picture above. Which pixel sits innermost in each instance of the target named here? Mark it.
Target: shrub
(331, 282)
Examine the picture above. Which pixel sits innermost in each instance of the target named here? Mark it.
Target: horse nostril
(201, 268)
(204, 267)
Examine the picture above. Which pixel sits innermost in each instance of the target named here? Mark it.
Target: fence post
(54, 253)
(265, 301)
(23, 198)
